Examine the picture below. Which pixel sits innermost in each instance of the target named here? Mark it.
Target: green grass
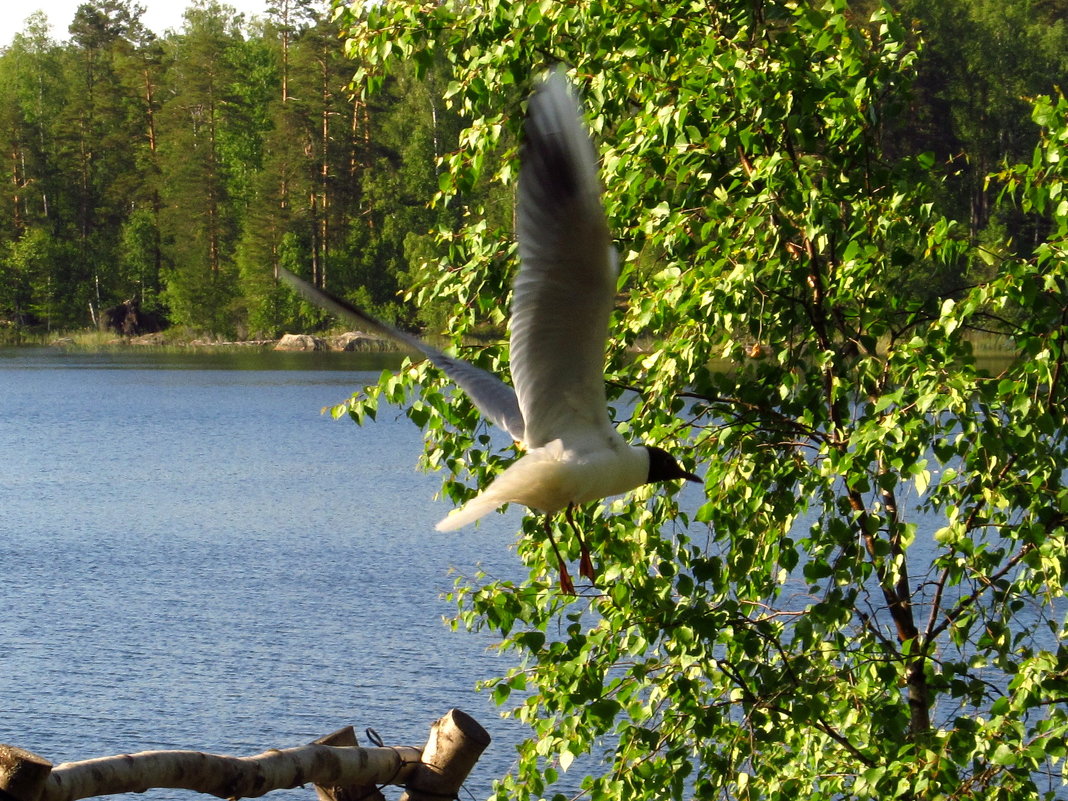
(171, 340)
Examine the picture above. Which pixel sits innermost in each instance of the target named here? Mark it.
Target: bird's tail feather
(533, 480)
(476, 508)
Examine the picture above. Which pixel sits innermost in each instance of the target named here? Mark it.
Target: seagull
(556, 407)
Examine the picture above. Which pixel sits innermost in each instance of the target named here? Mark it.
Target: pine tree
(197, 218)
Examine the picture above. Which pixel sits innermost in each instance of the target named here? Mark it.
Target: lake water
(196, 557)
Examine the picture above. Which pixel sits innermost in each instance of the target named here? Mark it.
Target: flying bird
(562, 299)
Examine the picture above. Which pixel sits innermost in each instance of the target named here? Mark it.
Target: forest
(176, 172)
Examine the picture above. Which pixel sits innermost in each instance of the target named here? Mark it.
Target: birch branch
(28, 777)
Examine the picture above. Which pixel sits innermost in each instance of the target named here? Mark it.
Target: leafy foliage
(868, 600)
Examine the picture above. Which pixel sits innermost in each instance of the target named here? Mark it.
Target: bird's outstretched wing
(564, 291)
(495, 399)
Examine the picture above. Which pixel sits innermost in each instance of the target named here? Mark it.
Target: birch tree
(867, 600)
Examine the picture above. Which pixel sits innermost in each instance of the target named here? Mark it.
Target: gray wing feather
(565, 288)
(495, 399)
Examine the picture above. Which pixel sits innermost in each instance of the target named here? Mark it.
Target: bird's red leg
(566, 586)
(586, 569)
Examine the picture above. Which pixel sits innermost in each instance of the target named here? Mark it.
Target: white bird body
(562, 301)
(553, 477)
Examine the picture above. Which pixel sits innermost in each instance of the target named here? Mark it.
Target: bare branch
(228, 776)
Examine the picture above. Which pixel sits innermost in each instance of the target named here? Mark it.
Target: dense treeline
(178, 171)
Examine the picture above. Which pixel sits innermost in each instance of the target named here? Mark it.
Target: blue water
(195, 557)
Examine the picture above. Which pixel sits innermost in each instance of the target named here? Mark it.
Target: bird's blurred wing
(495, 399)
(565, 288)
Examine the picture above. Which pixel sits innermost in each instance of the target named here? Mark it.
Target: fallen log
(212, 774)
(340, 772)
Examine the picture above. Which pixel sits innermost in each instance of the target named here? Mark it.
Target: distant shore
(90, 339)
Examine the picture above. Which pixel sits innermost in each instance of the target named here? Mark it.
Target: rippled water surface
(195, 557)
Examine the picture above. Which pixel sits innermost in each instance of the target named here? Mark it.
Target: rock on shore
(351, 340)
(300, 342)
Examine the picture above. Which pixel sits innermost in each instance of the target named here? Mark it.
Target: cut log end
(23, 774)
(455, 744)
(468, 727)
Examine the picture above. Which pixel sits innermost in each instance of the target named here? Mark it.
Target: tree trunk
(222, 776)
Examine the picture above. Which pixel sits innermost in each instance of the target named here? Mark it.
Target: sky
(159, 16)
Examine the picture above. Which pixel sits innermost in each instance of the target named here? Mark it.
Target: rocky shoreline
(348, 341)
